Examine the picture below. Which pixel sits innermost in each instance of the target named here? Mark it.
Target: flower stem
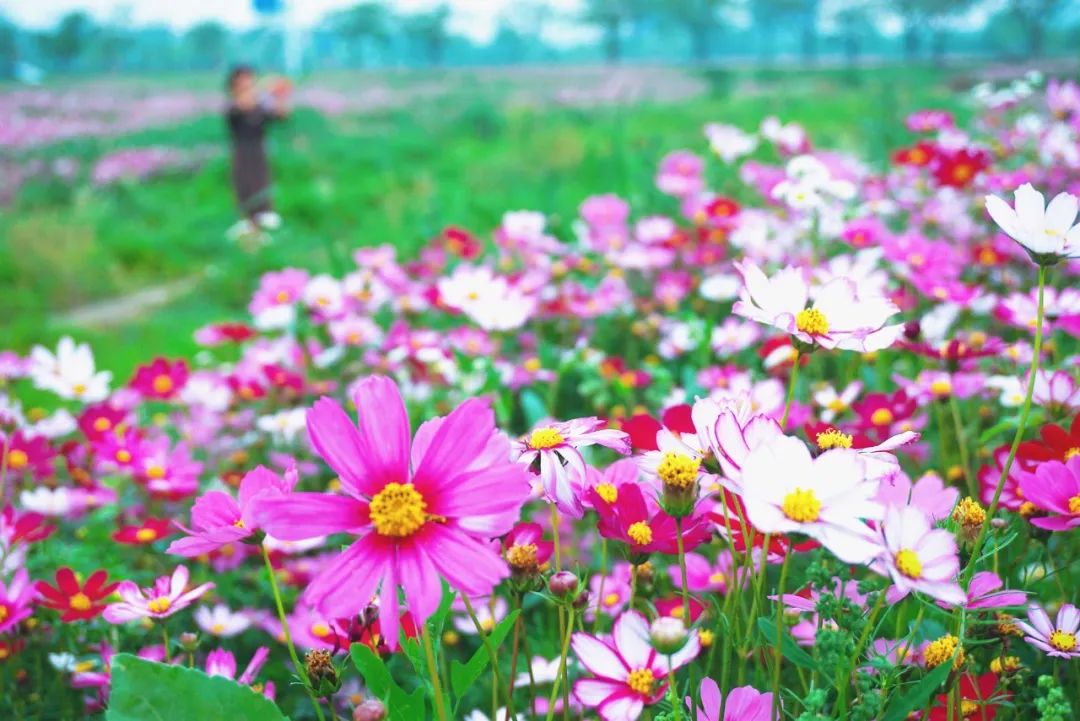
(429, 652)
(1036, 351)
(288, 636)
(961, 443)
(780, 630)
(492, 653)
(843, 679)
(165, 640)
(513, 661)
(675, 716)
(600, 589)
(791, 389)
(682, 571)
(562, 668)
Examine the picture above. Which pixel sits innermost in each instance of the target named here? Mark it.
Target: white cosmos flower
(47, 501)
(221, 620)
(728, 142)
(70, 373)
(285, 424)
(1043, 230)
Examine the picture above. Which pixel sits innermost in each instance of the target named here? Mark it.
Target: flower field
(785, 432)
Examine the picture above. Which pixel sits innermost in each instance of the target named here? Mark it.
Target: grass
(395, 176)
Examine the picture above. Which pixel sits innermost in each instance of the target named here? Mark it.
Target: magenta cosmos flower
(562, 468)
(420, 516)
(745, 703)
(1054, 487)
(918, 557)
(842, 315)
(629, 673)
(1058, 638)
(167, 596)
(16, 600)
(218, 519)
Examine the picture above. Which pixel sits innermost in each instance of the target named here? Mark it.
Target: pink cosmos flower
(219, 519)
(681, 174)
(628, 674)
(841, 316)
(161, 379)
(984, 592)
(562, 468)
(744, 703)
(827, 498)
(420, 516)
(918, 557)
(1056, 639)
(705, 575)
(16, 599)
(221, 662)
(929, 494)
(163, 599)
(1055, 487)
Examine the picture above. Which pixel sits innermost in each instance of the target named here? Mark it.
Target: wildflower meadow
(784, 433)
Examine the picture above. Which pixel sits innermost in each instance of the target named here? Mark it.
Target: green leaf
(792, 651)
(403, 706)
(147, 691)
(464, 675)
(533, 407)
(916, 698)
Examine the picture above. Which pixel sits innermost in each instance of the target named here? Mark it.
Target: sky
(476, 19)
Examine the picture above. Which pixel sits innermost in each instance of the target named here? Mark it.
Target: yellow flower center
(159, 605)
(1074, 504)
(123, 455)
(320, 630)
(398, 510)
(80, 602)
(812, 322)
(836, 405)
(607, 491)
(717, 578)
(706, 637)
(1008, 664)
(640, 533)
(678, 470)
(1072, 452)
(102, 424)
(881, 417)
(78, 389)
(802, 506)
(1063, 640)
(522, 557)
(217, 629)
(532, 365)
(833, 438)
(145, 535)
(162, 384)
(543, 438)
(942, 649)
(156, 471)
(969, 513)
(641, 681)
(3, 613)
(908, 563)
(611, 599)
(487, 624)
(282, 296)
(17, 459)
(941, 387)
(968, 708)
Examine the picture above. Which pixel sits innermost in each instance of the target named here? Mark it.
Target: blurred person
(248, 116)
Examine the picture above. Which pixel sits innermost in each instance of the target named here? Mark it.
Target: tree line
(372, 34)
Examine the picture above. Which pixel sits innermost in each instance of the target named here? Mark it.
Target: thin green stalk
(433, 671)
(961, 443)
(165, 640)
(600, 589)
(682, 571)
(843, 679)
(672, 692)
(492, 653)
(791, 389)
(562, 668)
(288, 636)
(780, 632)
(981, 538)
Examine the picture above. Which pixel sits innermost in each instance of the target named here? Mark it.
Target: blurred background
(412, 116)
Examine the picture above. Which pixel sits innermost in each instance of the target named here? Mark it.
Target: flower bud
(321, 673)
(562, 584)
(581, 602)
(668, 635)
(371, 710)
(189, 641)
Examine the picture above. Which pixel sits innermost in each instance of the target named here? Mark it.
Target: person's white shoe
(239, 229)
(268, 220)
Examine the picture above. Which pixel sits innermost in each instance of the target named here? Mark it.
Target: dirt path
(115, 311)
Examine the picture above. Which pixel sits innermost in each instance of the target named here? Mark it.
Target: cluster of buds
(566, 587)
(321, 673)
(678, 472)
(969, 517)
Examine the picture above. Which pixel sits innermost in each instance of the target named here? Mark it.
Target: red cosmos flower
(29, 527)
(978, 701)
(279, 377)
(719, 209)
(97, 420)
(150, 530)
(234, 332)
(1057, 444)
(642, 428)
(10, 648)
(246, 388)
(460, 242)
(918, 155)
(75, 602)
(28, 454)
(674, 607)
(879, 413)
(162, 379)
(957, 350)
(959, 168)
(614, 367)
(628, 518)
